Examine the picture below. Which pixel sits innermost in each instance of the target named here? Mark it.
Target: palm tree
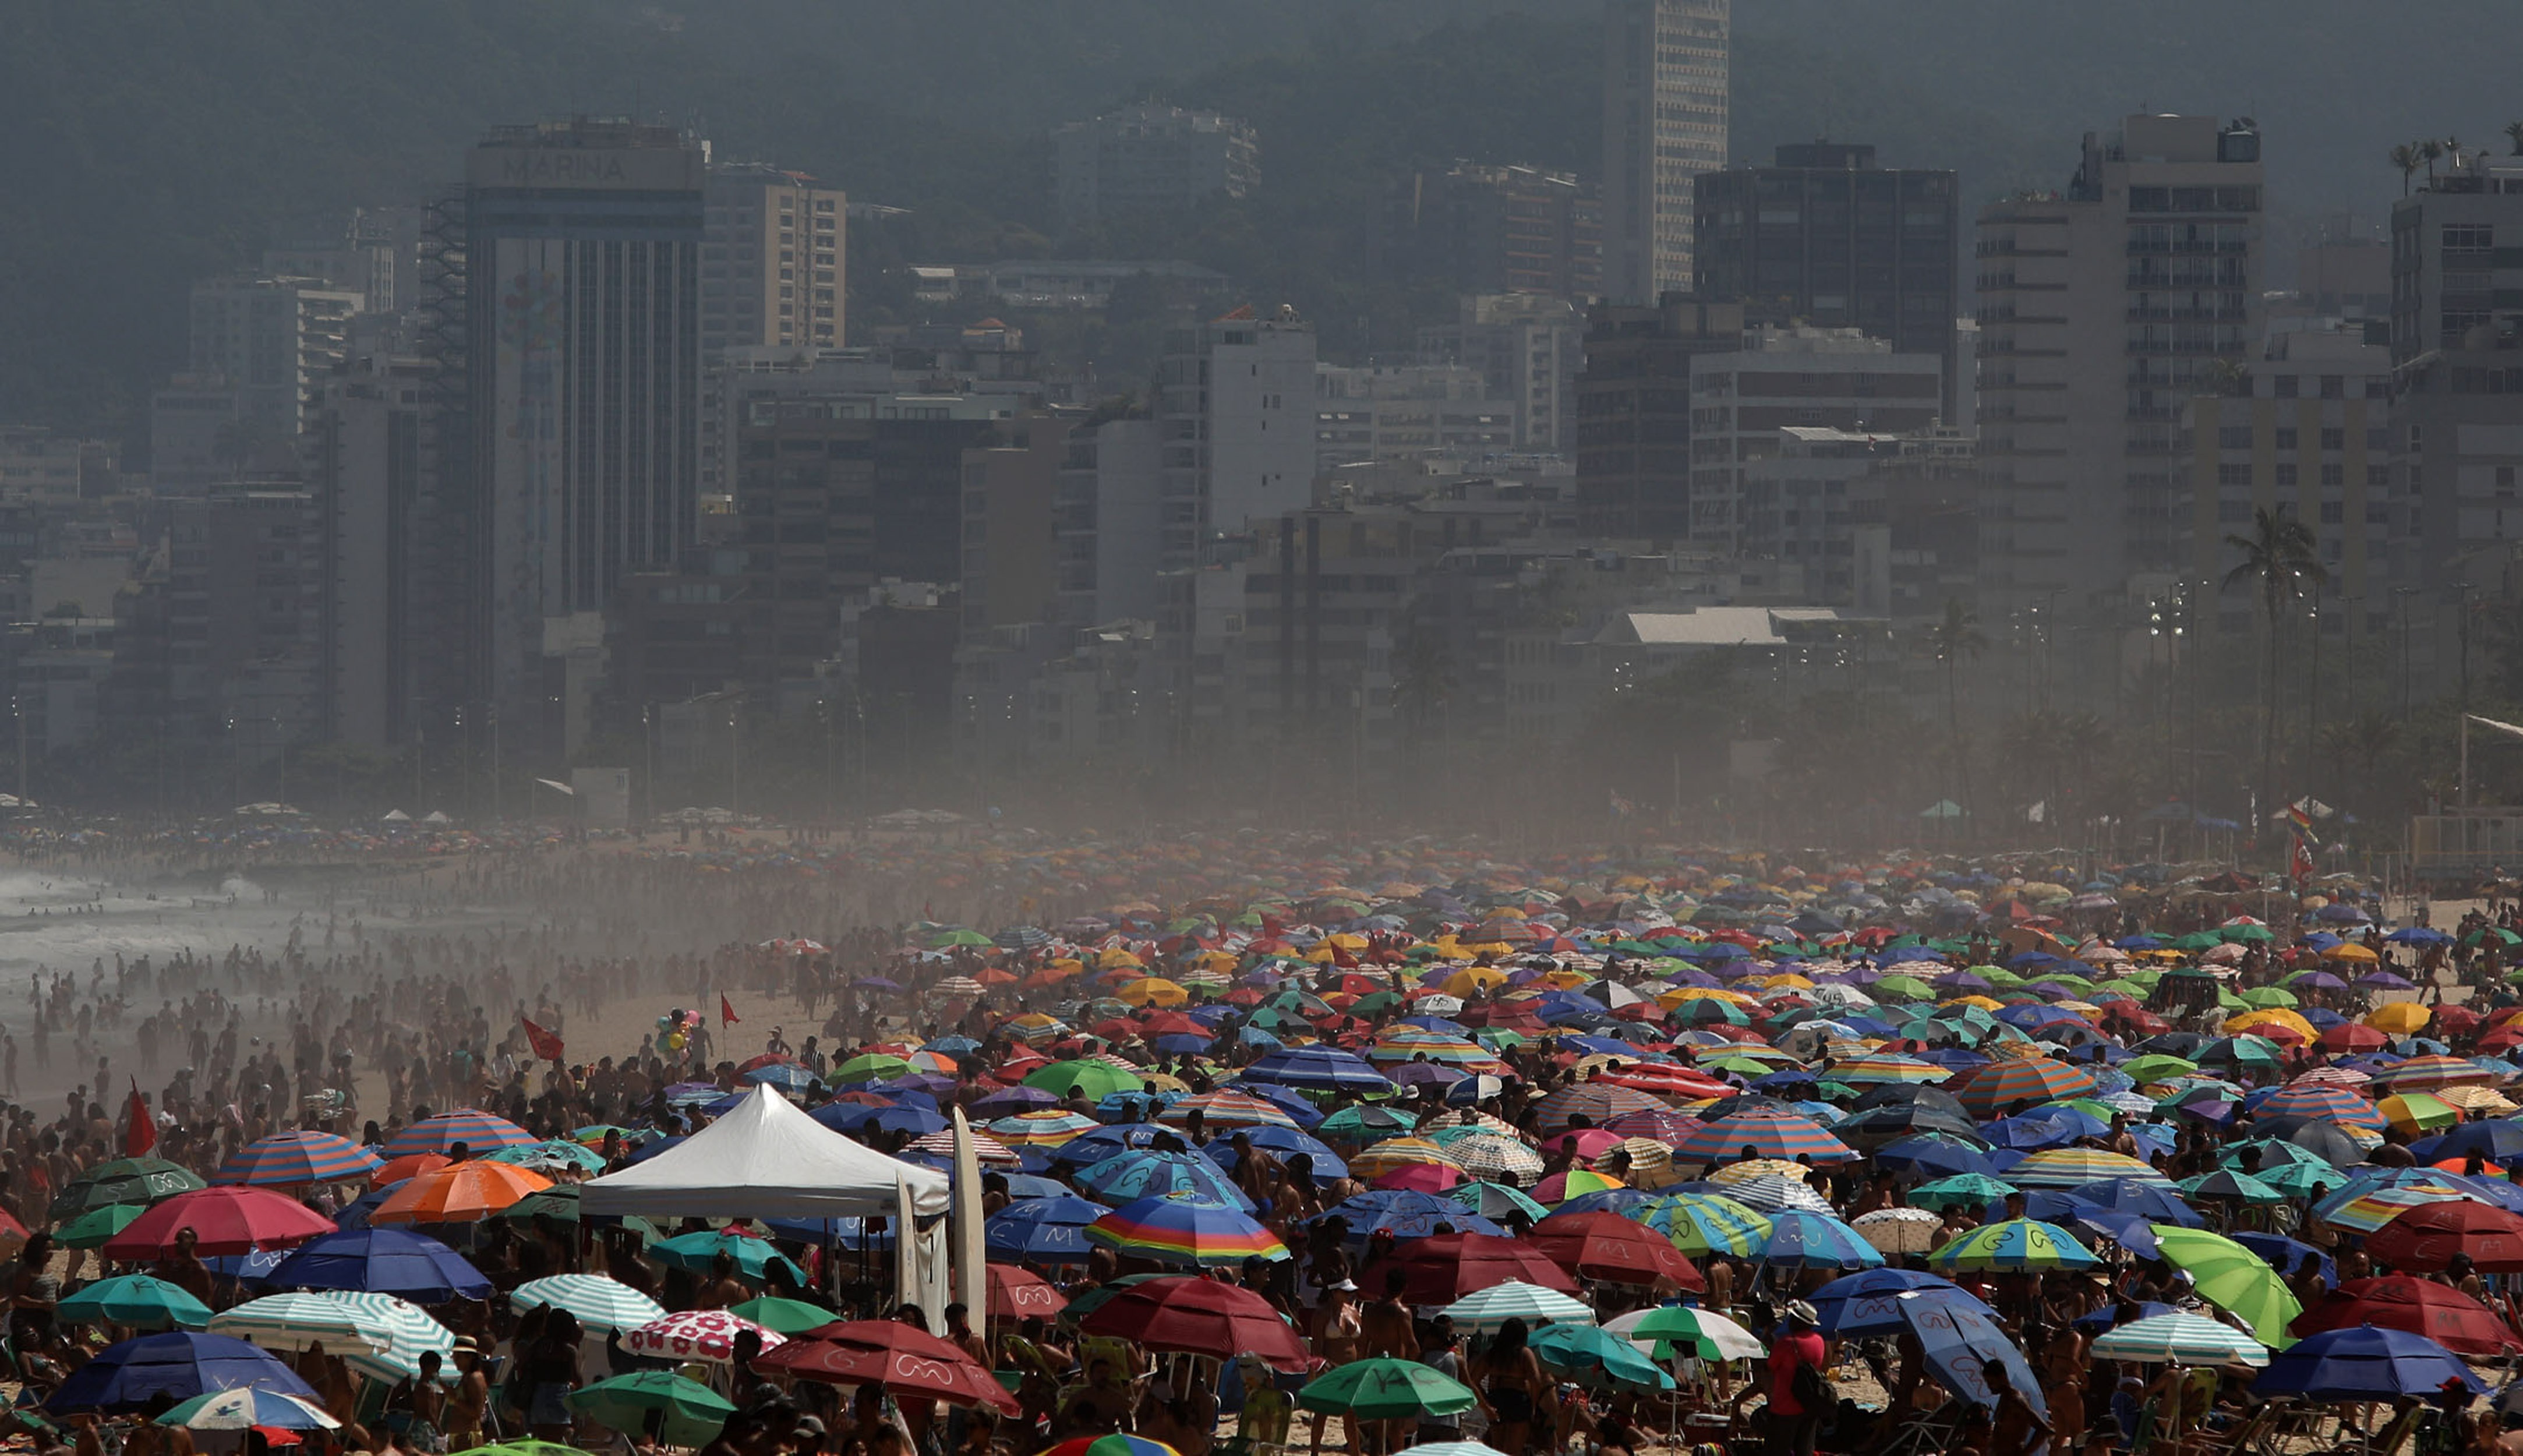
(2281, 557)
(2431, 151)
(1951, 640)
(2405, 157)
(2514, 136)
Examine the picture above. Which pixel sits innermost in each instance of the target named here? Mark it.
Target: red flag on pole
(727, 1016)
(547, 1045)
(140, 1134)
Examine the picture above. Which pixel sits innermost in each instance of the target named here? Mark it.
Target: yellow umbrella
(1116, 956)
(1759, 1167)
(1677, 997)
(2348, 949)
(2413, 1111)
(1784, 981)
(1474, 979)
(1152, 991)
(1564, 980)
(1984, 1003)
(2399, 1017)
(2271, 1016)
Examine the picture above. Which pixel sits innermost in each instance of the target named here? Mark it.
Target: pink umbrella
(1426, 1178)
(695, 1334)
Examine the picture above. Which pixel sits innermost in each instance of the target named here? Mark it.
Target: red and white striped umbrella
(696, 1334)
(991, 1150)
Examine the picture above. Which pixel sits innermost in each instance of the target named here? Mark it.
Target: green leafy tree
(2280, 560)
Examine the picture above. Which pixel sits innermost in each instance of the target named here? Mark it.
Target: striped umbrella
(2365, 1213)
(593, 1299)
(1772, 1194)
(2075, 1168)
(1225, 1107)
(1888, 1068)
(1817, 1240)
(1399, 1153)
(1487, 1155)
(1758, 1167)
(2178, 1339)
(1178, 1230)
(478, 1130)
(1513, 1299)
(2419, 1073)
(1596, 1102)
(1706, 1223)
(1664, 1079)
(2015, 1244)
(989, 1150)
(2319, 1100)
(1771, 1132)
(378, 1333)
(2002, 1084)
(1046, 1129)
(294, 1160)
(1412, 1044)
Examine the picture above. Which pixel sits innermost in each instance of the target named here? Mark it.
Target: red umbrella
(1200, 1317)
(893, 1355)
(226, 1219)
(2457, 1020)
(1444, 1269)
(2428, 1235)
(1015, 1293)
(2352, 1036)
(2398, 1301)
(1426, 1178)
(1607, 1246)
(1587, 1142)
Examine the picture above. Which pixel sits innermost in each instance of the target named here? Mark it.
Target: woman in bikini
(1507, 1378)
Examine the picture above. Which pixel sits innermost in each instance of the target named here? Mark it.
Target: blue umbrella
(2100, 1320)
(2365, 1362)
(180, 1364)
(1300, 1108)
(1098, 1144)
(255, 1268)
(2027, 1133)
(1810, 1241)
(1141, 1173)
(1959, 1343)
(782, 1075)
(1608, 1201)
(1284, 1143)
(1933, 1155)
(2496, 1140)
(383, 1261)
(2147, 1201)
(1052, 1230)
(1870, 1302)
(1323, 1068)
(862, 1118)
(1022, 1185)
(2287, 1255)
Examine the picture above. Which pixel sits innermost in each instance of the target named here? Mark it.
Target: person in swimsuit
(1337, 1332)
(1507, 1379)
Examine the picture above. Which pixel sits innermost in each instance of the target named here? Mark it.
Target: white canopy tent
(767, 1160)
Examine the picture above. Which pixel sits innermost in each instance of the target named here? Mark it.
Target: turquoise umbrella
(137, 1300)
(754, 1258)
(1595, 1355)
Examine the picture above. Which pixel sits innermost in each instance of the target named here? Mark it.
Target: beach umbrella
(383, 1261)
(695, 1334)
(1817, 1240)
(2002, 1084)
(248, 1409)
(2233, 1278)
(1013, 1293)
(460, 1192)
(2428, 1235)
(755, 1258)
(1900, 1230)
(1316, 1069)
(786, 1316)
(98, 1226)
(1705, 1333)
(1490, 1156)
(1140, 1173)
(2366, 1362)
(1598, 1103)
(593, 1299)
(1870, 1302)
(378, 1333)
(1051, 1230)
(2015, 1244)
(1959, 1343)
(1227, 1108)
(558, 1155)
(1183, 1229)
(136, 1301)
(298, 1159)
(1962, 1191)
(1118, 1443)
(1706, 1223)
(1093, 1078)
(178, 1364)
(230, 1219)
(1513, 1299)
(692, 1414)
(1497, 1200)
(1770, 1132)
(2363, 1211)
(471, 1128)
(1443, 1268)
(1596, 1357)
(2234, 1187)
(1386, 1389)
(2074, 1167)
(1193, 1315)
(2400, 1301)
(1614, 1249)
(138, 1181)
(1773, 1193)
(2178, 1339)
(904, 1362)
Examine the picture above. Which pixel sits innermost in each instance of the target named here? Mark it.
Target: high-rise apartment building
(274, 340)
(2103, 309)
(1824, 237)
(1504, 229)
(1785, 378)
(1151, 159)
(364, 476)
(1408, 414)
(773, 246)
(1530, 346)
(1105, 521)
(1665, 114)
(1634, 418)
(1236, 410)
(583, 252)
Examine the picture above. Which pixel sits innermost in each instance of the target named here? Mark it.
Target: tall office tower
(1665, 114)
(582, 242)
(1237, 415)
(2104, 309)
(1633, 420)
(364, 476)
(1824, 237)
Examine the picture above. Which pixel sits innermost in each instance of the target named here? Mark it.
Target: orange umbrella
(465, 1193)
(409, 1166)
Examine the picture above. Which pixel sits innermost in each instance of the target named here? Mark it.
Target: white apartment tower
(2104, 310)
(1665, 114)
(1237, 423)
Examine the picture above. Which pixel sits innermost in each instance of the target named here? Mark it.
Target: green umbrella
(754, 1258)
(2302, 1179)
(693, 1413)
(125, 1180)
(783, 1316)
(870, 1067)
(1088, 1304)
(1097, 1079)
(1596, 1357)
(93, 1228)
(1903, 988)
(1494, 1201)
(137, 1300)
(2197, 940)
(958, 937)
(523, 1448)
(1387, 1389)
(2234, 1278)
(2268, 997)
(559, 1204)
(2261, 933)
(1962, 1191)
(1678, 1325)
(2156, 1067)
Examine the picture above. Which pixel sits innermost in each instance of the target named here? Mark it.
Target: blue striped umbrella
(1141, 1173)
(296, 1158)
(477, 1130)
(2015, 1244)
(1771, 1132)
(1810, 1241)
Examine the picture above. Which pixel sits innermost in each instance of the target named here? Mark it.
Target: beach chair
(1929, 1434)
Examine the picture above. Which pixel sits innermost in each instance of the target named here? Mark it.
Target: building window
(2233, 474)
(2232, 512)
(2505, 480)
(2287, 386)
(2378, 477)
(2286, 439)
(2334, 387)
(2333, 477)
(2233, 436)
(2333, 513)
(2334, 439)
(2286, 477)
